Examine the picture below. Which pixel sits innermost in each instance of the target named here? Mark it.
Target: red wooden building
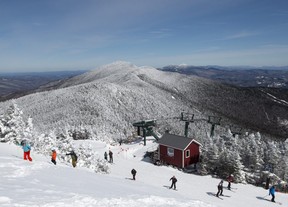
(178, 151)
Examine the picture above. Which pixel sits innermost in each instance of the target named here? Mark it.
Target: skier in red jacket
(229, 180)
(53, 156)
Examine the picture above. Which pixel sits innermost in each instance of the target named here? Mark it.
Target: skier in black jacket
(220, 189)
(173, 184)
(133, 172)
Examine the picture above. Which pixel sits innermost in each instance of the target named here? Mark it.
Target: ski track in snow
(275, 99)
(120, 202)
(41, 184)
(27, 184)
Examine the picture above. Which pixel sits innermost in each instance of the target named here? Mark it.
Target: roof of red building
(175, 141)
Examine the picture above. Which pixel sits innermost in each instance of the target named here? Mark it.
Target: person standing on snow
(53, 156)
(26, 149)
(133, 172)
(73, 157)
(272, 193)
(105, 155)
(229, 180)
(173, 184)
(220, 189)
(110, 156)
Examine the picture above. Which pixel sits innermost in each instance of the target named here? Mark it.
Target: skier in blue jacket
(26, 148)
(272, 193)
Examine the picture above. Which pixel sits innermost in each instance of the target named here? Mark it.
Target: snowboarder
(133, 172)
(74, 157)
(173, 184)
(53, 156)
(220, 189)
(105, 155)
(26, 149)
(229, 180)
(110, 156)
(272, 193)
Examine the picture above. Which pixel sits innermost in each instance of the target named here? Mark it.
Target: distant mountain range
(14, 85)
(272, 77)
(108, 100)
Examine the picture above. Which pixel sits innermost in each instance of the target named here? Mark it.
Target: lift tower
(147, 129)
(188, 118)
(213, 120)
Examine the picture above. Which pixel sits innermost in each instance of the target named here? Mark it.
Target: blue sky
(45, 35)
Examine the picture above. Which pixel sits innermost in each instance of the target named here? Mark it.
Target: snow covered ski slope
(40, 183)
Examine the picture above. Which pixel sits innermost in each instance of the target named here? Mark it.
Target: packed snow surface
(40, 183)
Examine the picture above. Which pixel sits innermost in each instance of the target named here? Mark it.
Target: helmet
(23, 142)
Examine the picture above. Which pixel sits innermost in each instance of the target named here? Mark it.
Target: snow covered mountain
(15, 85)
(107, 101)
(103, 104)
(243, 76)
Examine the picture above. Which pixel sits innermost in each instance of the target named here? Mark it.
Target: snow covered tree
(230, 163)
(13, 127)
(88, 158)
(237, 167)
(271, 156)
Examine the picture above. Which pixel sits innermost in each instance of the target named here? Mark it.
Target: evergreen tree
(271, 156)
(211, 158)
(13, 127)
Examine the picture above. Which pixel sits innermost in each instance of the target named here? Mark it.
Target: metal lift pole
(187, 118)
(144, 135)
(212, 130)
(186, 128)
(213, 120)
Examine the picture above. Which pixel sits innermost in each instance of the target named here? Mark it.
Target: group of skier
(230, 179)
(173, 179)
(220, 185)
(27, 148)
(110, 156)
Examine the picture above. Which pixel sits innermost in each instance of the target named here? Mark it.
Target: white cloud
(242, 34)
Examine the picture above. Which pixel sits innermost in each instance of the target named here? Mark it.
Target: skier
(272, 193)
(105, 155)
(173, 184)
(220, 189)
(133, 172)
(229, 180)
(53, 156)
(74, 157)
(26, 148)
(110, 156)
